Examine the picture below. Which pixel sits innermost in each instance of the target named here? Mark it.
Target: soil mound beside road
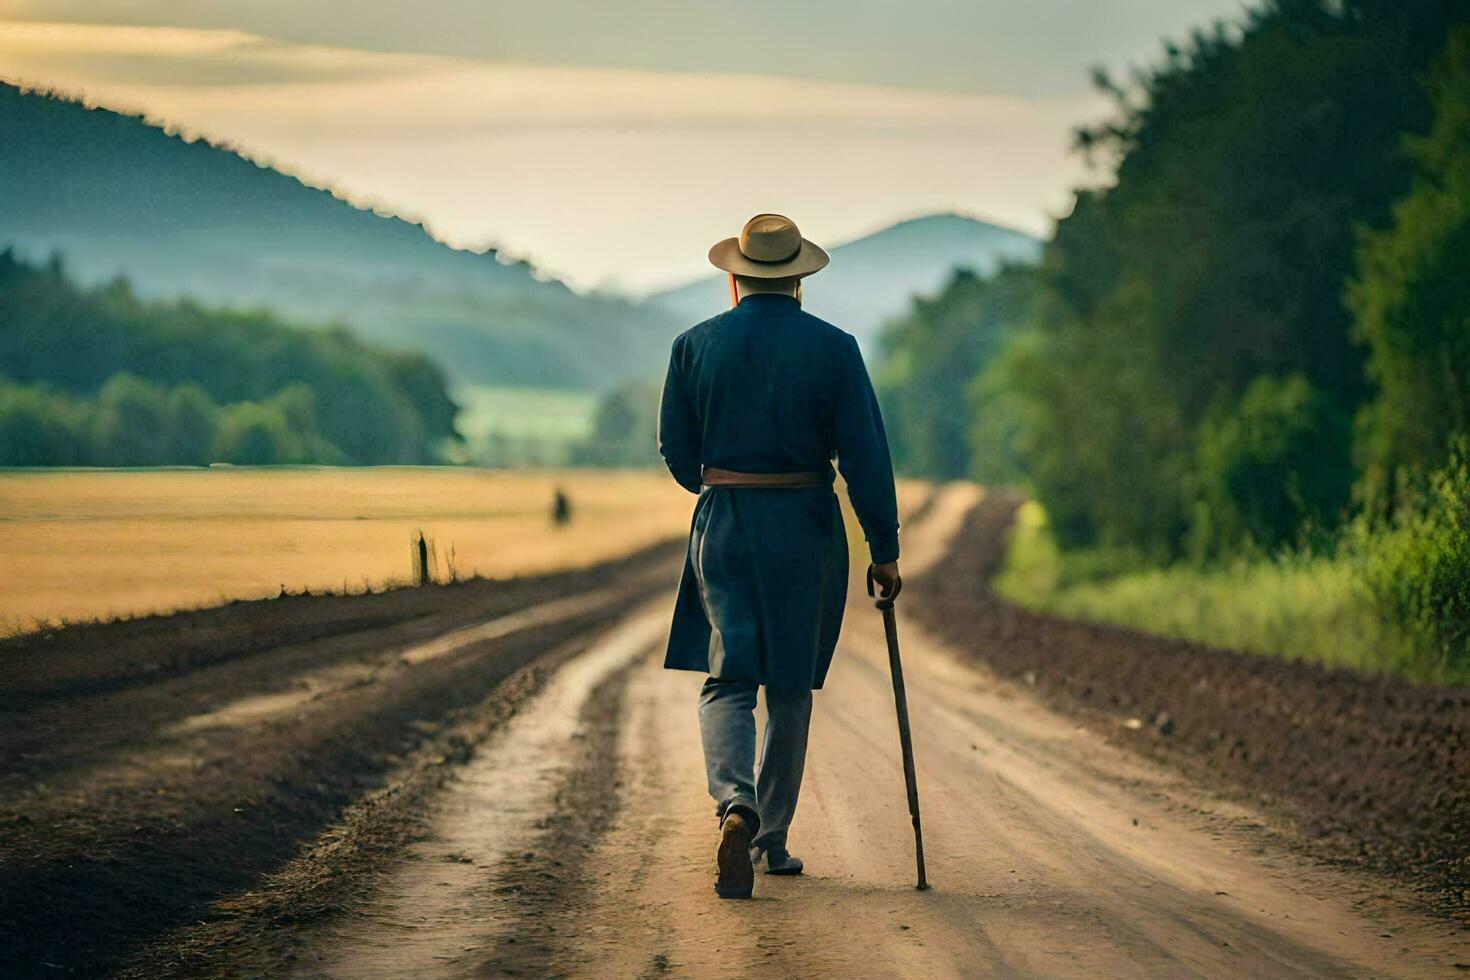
(1372, 770)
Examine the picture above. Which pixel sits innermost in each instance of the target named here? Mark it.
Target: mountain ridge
(118, 194)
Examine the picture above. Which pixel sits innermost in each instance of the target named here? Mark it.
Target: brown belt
(713, 476)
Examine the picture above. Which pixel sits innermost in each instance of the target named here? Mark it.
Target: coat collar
(768, 300)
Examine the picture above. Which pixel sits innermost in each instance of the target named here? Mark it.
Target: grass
(1314, 607)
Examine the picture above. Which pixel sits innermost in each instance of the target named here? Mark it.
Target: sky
(610, 143)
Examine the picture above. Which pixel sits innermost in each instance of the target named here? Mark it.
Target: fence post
(421, 575)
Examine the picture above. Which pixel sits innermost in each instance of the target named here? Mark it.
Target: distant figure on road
(757, 403)
(561, 508)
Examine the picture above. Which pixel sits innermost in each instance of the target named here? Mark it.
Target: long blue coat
(767, 388)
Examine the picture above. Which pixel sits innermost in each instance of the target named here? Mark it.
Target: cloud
(1035, 48)
(103, 54)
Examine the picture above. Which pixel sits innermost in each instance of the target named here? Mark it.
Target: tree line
(100, 376)
(1255, 333)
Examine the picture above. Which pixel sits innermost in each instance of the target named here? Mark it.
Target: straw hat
(770, 246)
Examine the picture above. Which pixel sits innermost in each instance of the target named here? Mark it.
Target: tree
(38, 428)
(1259, 465)
(132, 423)
(998, 434)
(354, 404)
(931, 357)
(251, 434)
(193, 418)
(1411, 297)
(1243, 164)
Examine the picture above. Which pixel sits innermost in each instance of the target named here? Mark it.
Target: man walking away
(758, 402)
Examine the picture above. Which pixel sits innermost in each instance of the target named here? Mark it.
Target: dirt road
(497, 778)
(577, 840)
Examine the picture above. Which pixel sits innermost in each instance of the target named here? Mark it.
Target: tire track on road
(150, 831)
(495, 884)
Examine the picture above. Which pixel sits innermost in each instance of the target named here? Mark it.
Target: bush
(1419, 568)
(1385, 596)
(1297, 604)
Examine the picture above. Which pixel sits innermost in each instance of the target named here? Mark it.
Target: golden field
(100, 544)
(82, 545)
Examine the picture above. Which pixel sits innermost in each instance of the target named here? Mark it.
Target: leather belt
(713, 476)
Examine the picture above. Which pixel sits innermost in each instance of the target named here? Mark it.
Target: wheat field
(99, 544)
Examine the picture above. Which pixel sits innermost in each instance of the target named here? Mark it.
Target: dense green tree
(131, 424)
(1104, 441)
(39, 428)
(421, 383)
(1185, 364)
(1243, 165)
(1260, 465)
(297, 405)
(193, 419)
(1411, 296)
(930, 358)
(999, 434)
(345, 401)
(252, 434)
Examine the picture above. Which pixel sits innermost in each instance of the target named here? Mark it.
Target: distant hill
(873, 279)
(120, 196)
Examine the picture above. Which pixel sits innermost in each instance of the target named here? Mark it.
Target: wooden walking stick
(901, 702)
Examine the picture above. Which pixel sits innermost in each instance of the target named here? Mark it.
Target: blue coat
(767, 388)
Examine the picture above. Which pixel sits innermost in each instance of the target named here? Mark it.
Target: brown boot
(737, 875)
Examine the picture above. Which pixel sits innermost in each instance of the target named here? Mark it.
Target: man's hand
(886, 575)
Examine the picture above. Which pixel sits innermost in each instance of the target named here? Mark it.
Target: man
(757, 403)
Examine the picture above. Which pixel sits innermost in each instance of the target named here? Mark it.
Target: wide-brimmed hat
(770, 246)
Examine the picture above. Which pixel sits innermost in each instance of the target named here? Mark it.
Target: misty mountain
(874, 278)
(119, 196)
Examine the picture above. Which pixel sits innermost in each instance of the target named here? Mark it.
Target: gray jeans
(727, 728)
